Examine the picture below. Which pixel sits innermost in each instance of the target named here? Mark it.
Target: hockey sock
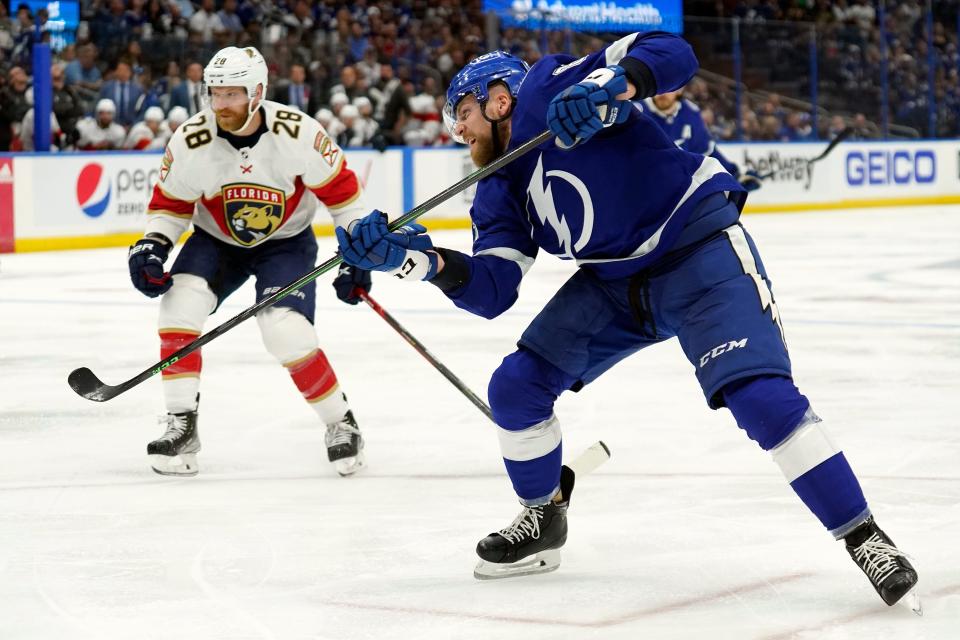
(774, 413)
(181, 380)
(521, 393)
(316, 380)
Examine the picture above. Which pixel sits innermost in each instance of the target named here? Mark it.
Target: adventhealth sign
(587, 15)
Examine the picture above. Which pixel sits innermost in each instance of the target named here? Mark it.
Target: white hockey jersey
(265, 192)
(93, 137)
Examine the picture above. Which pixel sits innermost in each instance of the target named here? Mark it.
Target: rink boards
(85, 200)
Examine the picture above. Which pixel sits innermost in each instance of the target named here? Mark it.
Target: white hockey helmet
(178, 115)
(236, 67)
(106, 104)
(153, 114)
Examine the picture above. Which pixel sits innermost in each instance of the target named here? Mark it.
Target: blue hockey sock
(521, 393)
(778, 417)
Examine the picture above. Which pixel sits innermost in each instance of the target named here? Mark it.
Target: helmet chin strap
(251, 111)
(494, 128)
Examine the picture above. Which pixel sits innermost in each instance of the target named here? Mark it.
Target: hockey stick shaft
(840, 137)
(423, 351)
(88, 385)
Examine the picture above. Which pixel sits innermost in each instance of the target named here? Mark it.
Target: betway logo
(785, 168)
(726, 347)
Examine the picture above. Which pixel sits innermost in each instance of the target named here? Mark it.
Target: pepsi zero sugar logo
(102, 186)
(93, 190)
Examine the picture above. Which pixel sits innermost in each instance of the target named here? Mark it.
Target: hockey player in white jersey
(248, 173)
(143, 133)
(100, 132)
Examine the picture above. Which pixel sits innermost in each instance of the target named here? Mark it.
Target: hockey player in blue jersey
(661, 254)
(683, 123)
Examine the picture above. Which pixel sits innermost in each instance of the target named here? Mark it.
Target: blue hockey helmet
(476, 77)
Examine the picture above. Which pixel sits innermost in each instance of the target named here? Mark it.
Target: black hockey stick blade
(88, 385)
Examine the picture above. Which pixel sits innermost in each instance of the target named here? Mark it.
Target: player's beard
(483, 151)
(231, 120)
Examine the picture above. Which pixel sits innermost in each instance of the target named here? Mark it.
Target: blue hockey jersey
(685, 126)
(613, 204)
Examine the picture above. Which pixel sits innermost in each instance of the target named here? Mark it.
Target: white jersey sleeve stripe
(618, 50)
(523, 261)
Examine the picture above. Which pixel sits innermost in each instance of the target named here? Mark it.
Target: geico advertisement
(94, 193)
(853, 170)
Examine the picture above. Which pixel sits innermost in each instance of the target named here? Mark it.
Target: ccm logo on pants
(722, 349)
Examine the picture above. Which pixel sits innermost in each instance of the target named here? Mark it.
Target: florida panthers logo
(252, 212)
(541, 203)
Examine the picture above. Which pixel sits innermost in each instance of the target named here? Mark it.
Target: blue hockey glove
(365, 247)
(580, 111)
(420, 263)
(348, 280)
(145, 260)
(370, 245)
(750, 180)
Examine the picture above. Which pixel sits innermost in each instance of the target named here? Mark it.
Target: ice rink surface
(689, 531)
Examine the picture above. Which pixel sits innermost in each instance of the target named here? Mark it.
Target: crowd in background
(374, 72)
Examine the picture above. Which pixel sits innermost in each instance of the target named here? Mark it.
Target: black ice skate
(888, 569)
(531, 544)
(345, 445)
(175, 452)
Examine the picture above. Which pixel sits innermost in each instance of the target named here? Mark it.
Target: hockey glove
(349, 279)
(370, 245)
(580, 111)
(145, 260)
(750, 180)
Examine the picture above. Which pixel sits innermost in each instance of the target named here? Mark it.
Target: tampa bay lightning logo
(540, 201)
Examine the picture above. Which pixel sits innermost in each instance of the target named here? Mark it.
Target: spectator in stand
(367, 126)
(796, 128)
(294, 91)
(348, 83)
(24, 35)
(100, 132)
(6, 32)
(67, 106)
(206, 22)
(26, 129)
(144, 132)
(110, 29)
(383, 90)
(229, 19)
(83, 74)
(13, 106)
(188, 93)
(124, 92)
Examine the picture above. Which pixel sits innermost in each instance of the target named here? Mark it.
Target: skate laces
(527, 524)
(340, 433)
(176, 426)
(878, 558)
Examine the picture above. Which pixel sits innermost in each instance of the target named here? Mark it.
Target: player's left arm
(599, 88)
(327, 175)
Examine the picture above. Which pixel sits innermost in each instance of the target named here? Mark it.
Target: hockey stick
(422, 350)
(87, 384)
(595, 455)
(840, 137)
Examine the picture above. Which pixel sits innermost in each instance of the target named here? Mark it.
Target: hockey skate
(888, 569)
(345, 445)
(175, 452)
(531, 544)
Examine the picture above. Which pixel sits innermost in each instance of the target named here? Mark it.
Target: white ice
(689, 531)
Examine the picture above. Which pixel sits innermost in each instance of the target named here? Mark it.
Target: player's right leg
(579, 334)
(183, 310)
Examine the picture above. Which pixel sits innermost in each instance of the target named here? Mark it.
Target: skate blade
(184, 465)
(911, 600)
(349, 466)
(543, 562)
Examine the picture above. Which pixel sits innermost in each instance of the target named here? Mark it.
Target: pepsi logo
(93, 190)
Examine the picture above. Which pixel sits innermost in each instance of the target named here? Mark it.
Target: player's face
(477, 132)
(665, 101)
(231, 107)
